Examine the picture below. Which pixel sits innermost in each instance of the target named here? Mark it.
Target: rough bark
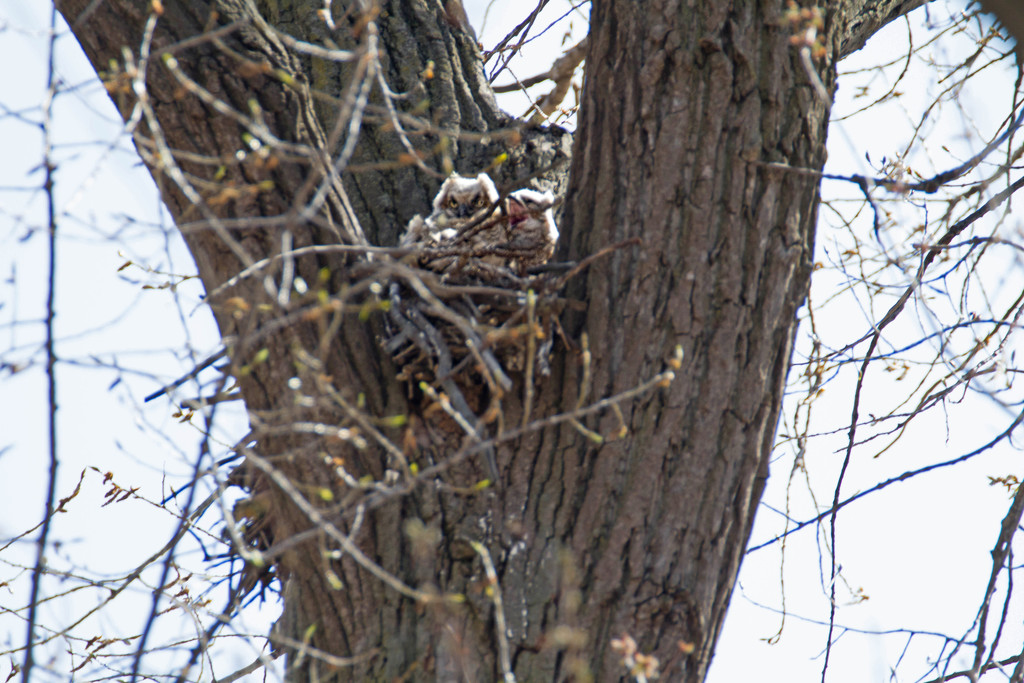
(709, 97)
(1011, 14)
(861, 20)
(691, 111)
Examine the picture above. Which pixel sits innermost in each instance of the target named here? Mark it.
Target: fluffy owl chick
(461, 200)
(459, 203)
(531, 228)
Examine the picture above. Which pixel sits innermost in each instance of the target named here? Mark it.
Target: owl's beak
(519, 211)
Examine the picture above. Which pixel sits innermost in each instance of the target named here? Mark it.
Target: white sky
(920, 550)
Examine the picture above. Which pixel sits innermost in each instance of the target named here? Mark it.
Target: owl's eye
(481, 201)
(453, 203)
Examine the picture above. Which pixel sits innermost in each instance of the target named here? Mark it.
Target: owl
(459, 221)
(532, 231)
(460, 202)
(481, 232)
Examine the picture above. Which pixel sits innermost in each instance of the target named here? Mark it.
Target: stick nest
(472, 328)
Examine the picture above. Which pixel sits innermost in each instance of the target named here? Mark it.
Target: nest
(471, 330)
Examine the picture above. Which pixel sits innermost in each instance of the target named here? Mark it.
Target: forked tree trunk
(691, 112)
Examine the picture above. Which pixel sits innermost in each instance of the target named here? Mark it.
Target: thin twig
(999, 553)
(39, 567)
(494, 592)
(905, 476)
(379, 498)
(350, 548)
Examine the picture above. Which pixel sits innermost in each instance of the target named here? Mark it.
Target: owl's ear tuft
(488, 187)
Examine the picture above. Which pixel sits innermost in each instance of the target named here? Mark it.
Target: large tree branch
(864, 18)
(247, 133)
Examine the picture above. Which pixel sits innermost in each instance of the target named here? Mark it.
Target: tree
(706, 156)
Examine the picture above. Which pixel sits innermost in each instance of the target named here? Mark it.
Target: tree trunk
(1011, 14)
(691, 114)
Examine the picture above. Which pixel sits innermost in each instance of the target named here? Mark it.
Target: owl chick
(522, 235)
(519, 234)
(459, 219)
(531, 228)
(459, 203)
